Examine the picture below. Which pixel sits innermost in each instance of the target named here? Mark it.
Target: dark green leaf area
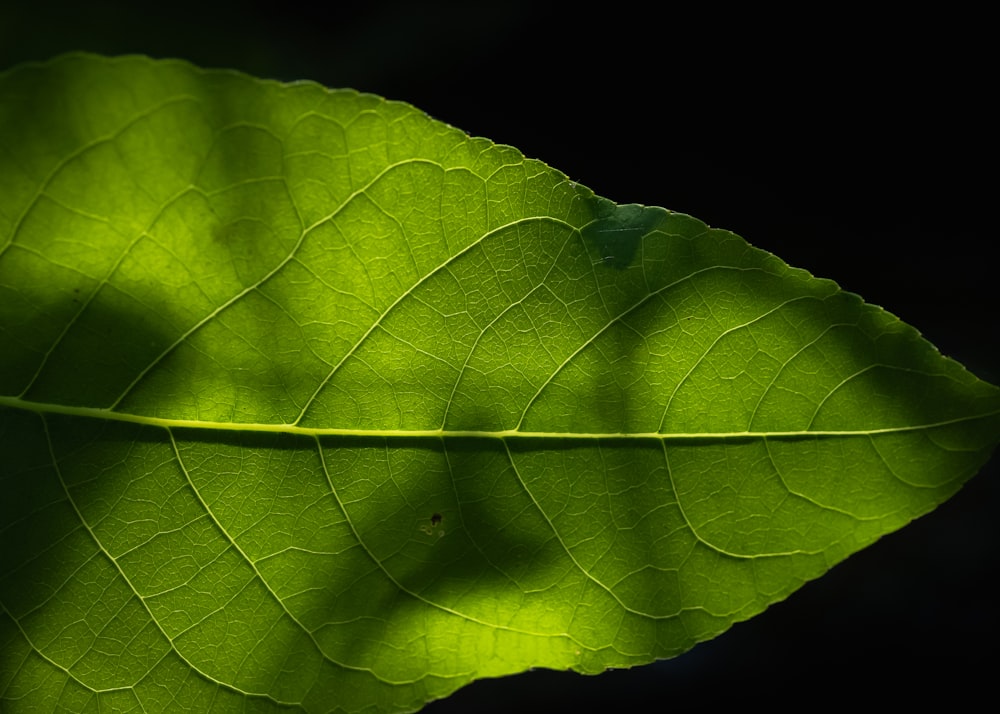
(616, 231)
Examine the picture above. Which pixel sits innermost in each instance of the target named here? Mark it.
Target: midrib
(507, 434)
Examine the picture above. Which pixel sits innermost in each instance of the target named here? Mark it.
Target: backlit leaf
(309, 400)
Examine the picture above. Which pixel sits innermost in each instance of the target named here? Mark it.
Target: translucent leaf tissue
(308, 400)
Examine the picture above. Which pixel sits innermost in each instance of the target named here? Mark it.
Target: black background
(860, 149)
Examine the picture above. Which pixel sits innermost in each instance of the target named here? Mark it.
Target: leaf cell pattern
(310, 401)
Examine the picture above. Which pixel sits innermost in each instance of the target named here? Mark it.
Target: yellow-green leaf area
(309, 401)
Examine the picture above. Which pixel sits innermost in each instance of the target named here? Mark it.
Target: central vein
(503, 434)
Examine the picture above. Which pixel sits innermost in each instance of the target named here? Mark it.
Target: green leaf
(309, 400)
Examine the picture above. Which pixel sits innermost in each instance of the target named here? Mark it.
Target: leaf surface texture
(310, 401)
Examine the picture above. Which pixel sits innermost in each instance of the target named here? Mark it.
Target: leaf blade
(353, 409)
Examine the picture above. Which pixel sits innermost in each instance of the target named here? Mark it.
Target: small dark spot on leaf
(435, 519)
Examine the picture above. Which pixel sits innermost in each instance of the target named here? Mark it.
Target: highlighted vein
(503, 434)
